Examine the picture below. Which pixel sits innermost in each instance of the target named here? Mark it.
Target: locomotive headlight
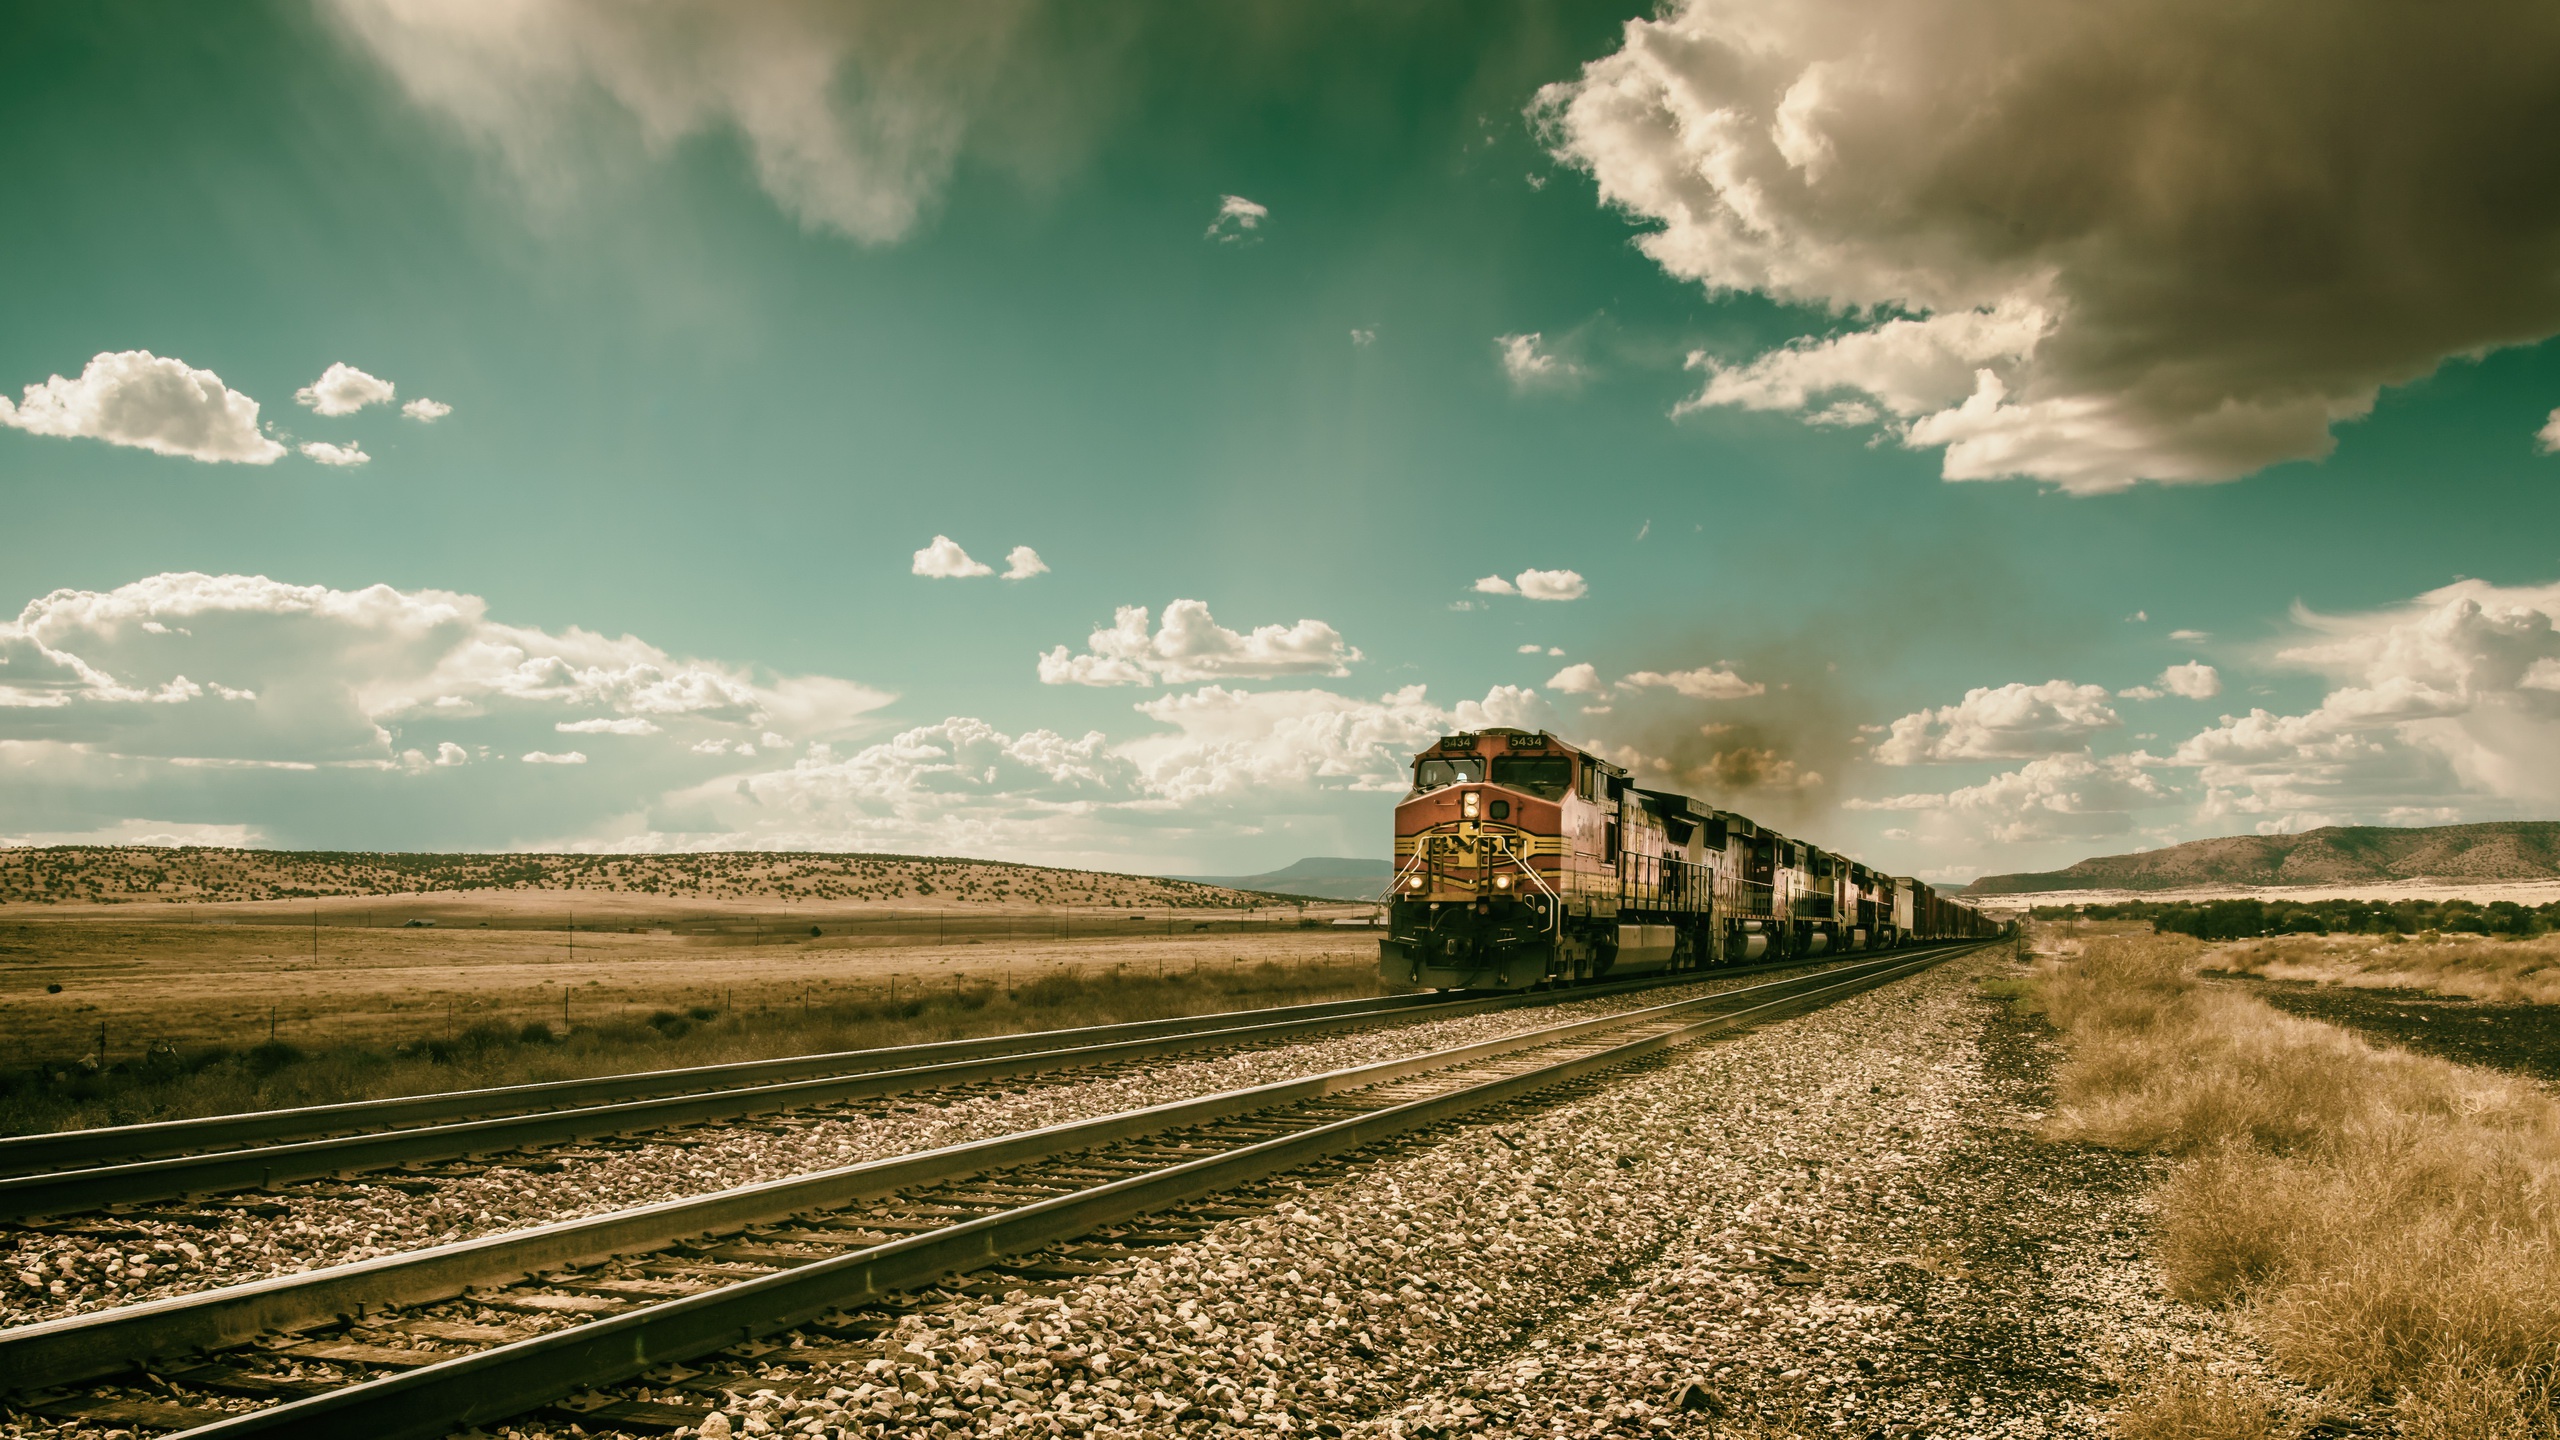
(1501, 882)
(1414, 884)
(1467, 805)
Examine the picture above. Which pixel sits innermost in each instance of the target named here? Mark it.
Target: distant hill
(2332, 855)
(1325, 877)
(103, 874)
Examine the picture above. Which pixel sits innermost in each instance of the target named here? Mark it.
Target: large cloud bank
(2091, 244)
(238, 709)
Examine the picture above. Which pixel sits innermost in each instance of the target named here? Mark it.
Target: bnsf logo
(1457, 845)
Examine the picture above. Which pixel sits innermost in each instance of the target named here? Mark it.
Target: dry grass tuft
(2385, 1222)
(2188, 1402)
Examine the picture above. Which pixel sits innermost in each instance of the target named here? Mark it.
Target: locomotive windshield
(1433, 773)
(1545, 775)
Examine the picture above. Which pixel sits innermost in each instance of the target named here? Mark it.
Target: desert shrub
(2385, 1222)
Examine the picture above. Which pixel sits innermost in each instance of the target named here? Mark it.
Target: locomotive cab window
(1433, 773)
(1546, 776)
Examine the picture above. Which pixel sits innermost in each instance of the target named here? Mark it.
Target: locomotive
(1524, 861)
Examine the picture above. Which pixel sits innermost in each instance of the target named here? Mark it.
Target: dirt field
(356, 968)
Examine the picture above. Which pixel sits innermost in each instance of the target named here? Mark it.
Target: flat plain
(396, 968)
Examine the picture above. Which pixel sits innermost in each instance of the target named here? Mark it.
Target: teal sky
(706, 411)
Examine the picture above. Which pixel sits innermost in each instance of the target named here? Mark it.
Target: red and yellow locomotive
(1523, 861)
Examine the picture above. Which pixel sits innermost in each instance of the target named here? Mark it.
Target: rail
(65, 1191)
(1342, 1111)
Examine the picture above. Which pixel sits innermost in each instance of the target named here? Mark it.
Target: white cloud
(2547, 439)
(241, 669)
(424, 409)
(1022, 562)
(328, 454)
(342, 389)
(963, 786)
(2014, 722)
(1574, 679)
(1191, 646)
(945, 560)
(2447, 704)
(851, 116)
(1237, 218)
(1529, 364)
(1530, 649)
(1704, 683)
(2193, 681)
(608, 725)
(449, 754)
(1551, 585)
(2060, 797)
(2089, 284)
(1495, 585)
(568, 757)
(2192, 637)
(136, 398)
(1361, 339)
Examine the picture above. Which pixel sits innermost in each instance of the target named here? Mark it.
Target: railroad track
(87, 1170)
(426, 1343)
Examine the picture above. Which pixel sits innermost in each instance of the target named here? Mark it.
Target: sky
(1971, 436)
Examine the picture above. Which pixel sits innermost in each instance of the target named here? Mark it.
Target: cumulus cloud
(244, 669)
(1530, 364)
(2060, 797)
(1707, 682)
(2013, 722)
(2089, 245)
(566, 757)
(609, 725)
(1191, 646)
(2192, 637)
(2547, 439)
(328, 454)
(136, 398)
(945, 560)
(1495, 585)
(342, 389)
(2193, 680)
(449, 754)
(424, 409)
(1573, 679)
(1023, 562)
(1238, 218)
(2447, 705)
(852, 116)
(1552, 585)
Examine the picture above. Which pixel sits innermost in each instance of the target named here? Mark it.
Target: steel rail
(118, 1144)
(89, 1347)
(510, 1379)
(24, 1197)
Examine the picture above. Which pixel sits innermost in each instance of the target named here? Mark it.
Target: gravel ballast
(1842, 1223)
(46, 1275)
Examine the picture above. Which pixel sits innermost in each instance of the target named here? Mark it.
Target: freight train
(1523, 861)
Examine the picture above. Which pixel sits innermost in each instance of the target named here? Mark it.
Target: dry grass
(2188, 1402)
(2504, 971)
(2384, 1222)
(175, 1083)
